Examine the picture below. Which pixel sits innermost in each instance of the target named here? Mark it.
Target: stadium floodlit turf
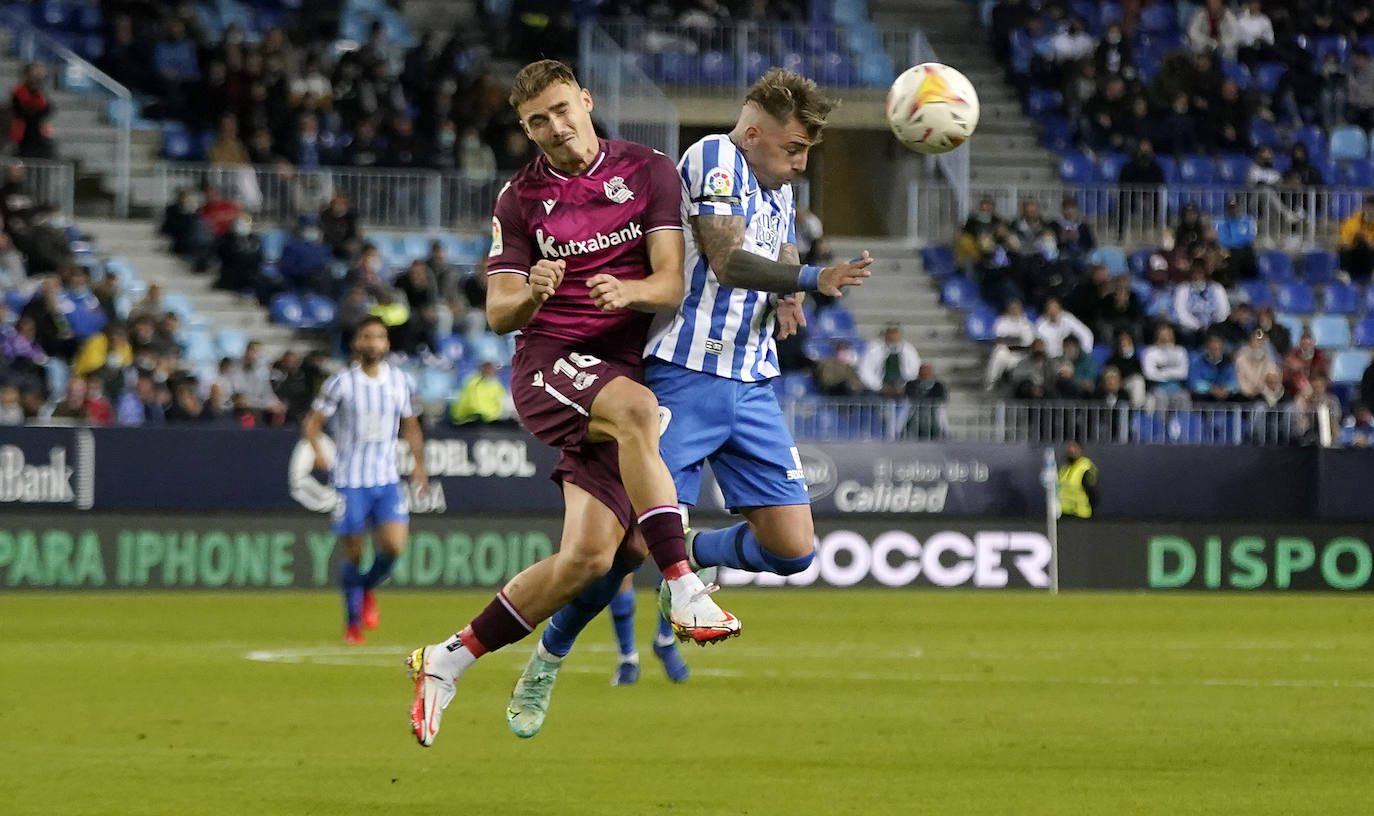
(833, 702)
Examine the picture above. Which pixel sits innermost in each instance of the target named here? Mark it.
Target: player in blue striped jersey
(709, 361)
(368, 402)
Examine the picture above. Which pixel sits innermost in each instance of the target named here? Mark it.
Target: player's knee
(580, 566)
(784, 565)
(633, 411)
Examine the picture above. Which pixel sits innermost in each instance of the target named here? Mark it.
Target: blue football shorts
(363, 507)
(737, 426)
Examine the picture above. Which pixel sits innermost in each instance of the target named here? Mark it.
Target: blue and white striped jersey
(367, 414)
(724, 330)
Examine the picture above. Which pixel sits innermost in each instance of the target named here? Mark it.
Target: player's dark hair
(535, 77)
(370, 320)
(783, 94)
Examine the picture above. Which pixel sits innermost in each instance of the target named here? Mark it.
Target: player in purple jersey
(586, 243)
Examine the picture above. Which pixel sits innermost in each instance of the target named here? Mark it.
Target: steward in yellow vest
(1077, 483)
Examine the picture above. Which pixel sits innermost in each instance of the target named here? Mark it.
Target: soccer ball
(932, 108)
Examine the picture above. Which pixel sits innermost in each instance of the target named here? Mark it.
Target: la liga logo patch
(719, 182)
(495, 238)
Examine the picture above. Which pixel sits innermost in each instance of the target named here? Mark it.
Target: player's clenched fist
(609, 293)
(545, 276)
(835, 278)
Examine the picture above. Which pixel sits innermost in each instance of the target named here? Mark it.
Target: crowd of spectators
(1190, 82)
(72, 346)
(1173, 338)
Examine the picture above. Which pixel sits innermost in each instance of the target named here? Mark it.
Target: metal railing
(715, 57)
(32, 45)
(834, 419)
(1287, 218)
(629, 104)
(51, 182)
(382, 198)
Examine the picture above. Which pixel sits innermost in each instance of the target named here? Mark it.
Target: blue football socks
(381, 567)
(568, 622)
(737, 547)
(623, 619)
(351, 582)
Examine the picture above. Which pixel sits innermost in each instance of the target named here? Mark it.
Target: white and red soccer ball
(932, 108)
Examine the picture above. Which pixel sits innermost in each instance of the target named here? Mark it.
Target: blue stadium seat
(1296, 298)
(1142, 289)
(1340, 204)
(1264, 134)
(1170, 167)
(1196, 170)
(201, 348)
(833, 68)
(756, 63)
(416, 246)
(676, 67)
(835, 321)
(1075, 168)
(286, 309)
(960, 293)
(1237, 73)
(794, 61)
(1267, 76)
(231, 341)
(1348, 143)
(1355, 173)
(177, 144)
(1041, 101)
(978, 325)
(436, 384)
(1331, 331)
(1057, 133)
(1341, 299)
(320, 311)
(1113, 257)
(1319, 266)
(1109, 166)
(272, 242)
(1157, 18)
(1331, 44)
(1256, 293)
(1363, 336)
(1233, 168)
(938, 261)
(1139, 262)
(451, 348)
(1275, 266)
(1314, 138)
(717, 68)
(1292, 323)
(1348, 366)
(15, 301)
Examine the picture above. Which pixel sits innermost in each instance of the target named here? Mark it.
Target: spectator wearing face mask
(1015, 333)
(838, 375)
(1304, 363)
(1126, 362)
(475, 157)
(339, 226)
(139, 404)
(240, 257)
(304, 264)
(1200, 303)
(181, 223)
(1056, 324)
(887, 366)
(1165, 366)
(218, 212)
(1256, 367)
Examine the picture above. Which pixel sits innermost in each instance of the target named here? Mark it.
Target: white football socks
(450, 658)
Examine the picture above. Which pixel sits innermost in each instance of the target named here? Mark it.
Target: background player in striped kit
(709, 362)
(586, 243)
(368, 402)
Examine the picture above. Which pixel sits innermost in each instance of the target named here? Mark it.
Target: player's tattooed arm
(721, 238)
(788, 308)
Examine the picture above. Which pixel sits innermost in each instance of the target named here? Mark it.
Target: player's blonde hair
(783, 94)
(535, 77)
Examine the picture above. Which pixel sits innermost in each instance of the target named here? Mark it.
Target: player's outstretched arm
(661, 289)
(721, 238)
(513, 299)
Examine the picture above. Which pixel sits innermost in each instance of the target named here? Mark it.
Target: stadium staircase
(890, 296)
(1005, 149)
(85, 133)
(138, 243)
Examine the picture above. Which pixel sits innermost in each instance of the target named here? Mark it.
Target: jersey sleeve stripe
(510, 270)
(677, 227)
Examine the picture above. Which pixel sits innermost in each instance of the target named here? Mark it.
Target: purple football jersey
(596, 222)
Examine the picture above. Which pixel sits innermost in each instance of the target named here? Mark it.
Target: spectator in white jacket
(1014, 332)
(1254, 34)
(888, 365)
(1056, 324)
(1165, 366)
(1214, 28)
(1073, 43)
(1199, 303)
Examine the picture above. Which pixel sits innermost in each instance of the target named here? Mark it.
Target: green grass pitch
(843, 702)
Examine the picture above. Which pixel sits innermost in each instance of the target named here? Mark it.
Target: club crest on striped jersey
(617, 191)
